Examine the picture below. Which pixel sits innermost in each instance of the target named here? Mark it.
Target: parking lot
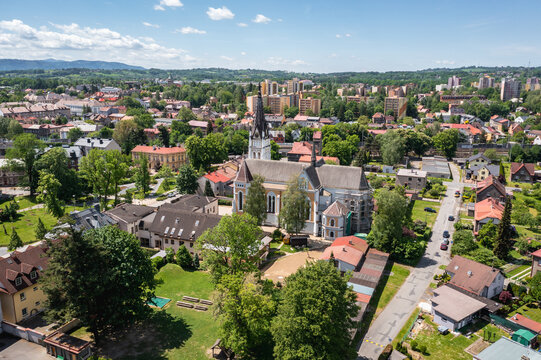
(14, 348)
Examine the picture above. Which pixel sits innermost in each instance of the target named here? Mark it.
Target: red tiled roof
(308, 158)
(19, 264)
(488, 208)
(363, 298)
(158, 150)
(526, 322)
(216, 177)
(344, 253)
(376, 132)
(530, 168)
(537, 253)
(472, 129)
(301, 148)
(352, 241)
(317, 135)
(491, 181)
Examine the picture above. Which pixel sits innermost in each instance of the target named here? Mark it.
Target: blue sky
(318, 36)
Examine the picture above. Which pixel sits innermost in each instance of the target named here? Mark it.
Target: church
(340, 196)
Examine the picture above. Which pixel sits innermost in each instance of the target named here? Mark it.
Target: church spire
(260, 124)
(313, 160)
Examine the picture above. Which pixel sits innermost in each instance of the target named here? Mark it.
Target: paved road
(389, 322)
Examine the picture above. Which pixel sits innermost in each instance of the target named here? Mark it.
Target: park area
(418, 211)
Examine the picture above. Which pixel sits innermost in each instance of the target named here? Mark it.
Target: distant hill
(53, 64)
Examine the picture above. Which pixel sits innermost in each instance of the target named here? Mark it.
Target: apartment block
(397, 105)
(486, 82)
(309, 104)
(510, 89)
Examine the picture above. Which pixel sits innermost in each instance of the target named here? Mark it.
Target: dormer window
(33, 274)
(18, 281)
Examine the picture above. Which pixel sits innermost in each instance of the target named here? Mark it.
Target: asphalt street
(389, 322)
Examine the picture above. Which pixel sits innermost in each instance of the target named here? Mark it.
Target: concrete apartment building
(294, 86)
(397, 105)
(269, 87)
(277, 103)
(174, 157)
(486, 82)
(532, 84)
(510, 89)
(313, 105)
(454, 81)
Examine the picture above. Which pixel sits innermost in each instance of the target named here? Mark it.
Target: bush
(277, 235)
(169, 255)
(505, 297)
(386, 352)
(157, 262)
(422, 349)
(414, 345)
(419, 226)
(224, 202)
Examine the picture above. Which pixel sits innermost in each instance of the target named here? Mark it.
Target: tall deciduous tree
(244, 310)
(256, 200)
(94, 169)
(392, 147)
(55, 162)
(117, 163)
(315, 315)
(447, 142)
(142, 176)
(48, 189)
(24, 154)
(388, 220)
(503, 243)
(231, 246)
(102, 278)
(296, 206)
(187, 180)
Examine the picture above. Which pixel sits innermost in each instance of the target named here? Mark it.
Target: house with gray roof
(481, 171)
(436, 167)
(91, 218)
(86, 144)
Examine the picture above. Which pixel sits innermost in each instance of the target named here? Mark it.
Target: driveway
(14, 348)
(391, 320)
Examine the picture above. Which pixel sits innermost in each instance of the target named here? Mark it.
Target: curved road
(391, 320)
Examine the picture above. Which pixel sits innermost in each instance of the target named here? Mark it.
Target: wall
(23, 333)
(32, 296)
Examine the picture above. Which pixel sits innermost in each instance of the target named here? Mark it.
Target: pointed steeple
(313, 160)
(260, 124)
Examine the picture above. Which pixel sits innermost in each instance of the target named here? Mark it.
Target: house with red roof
(525, 322)
(521, 172)
(491, 187)
(536, 262)
(219, 183)
(348, 252)
(470, 131)
(174, 157)
(487, 210)
(320, 160)
(299, 149)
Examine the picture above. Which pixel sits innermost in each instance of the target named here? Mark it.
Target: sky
(293, 35)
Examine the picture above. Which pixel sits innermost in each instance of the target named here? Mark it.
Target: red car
(444, 246)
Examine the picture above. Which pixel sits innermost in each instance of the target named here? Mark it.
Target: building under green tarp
(524, 337)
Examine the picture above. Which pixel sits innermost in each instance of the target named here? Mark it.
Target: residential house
(299, 149)
(454, 309)
(86, 144)
(475, 278)
(537, 140)
(471, 132)
(219, 183)
(173, 226)
(174, 157)
(73, 153)
(411, 179)
(8, 175)
(482, 171)
(197, 203)
(198, 124)
(89, 219)
(536, 262)
(487, 210)
(526, 323)
(348, 252)
(521, 172)
(515, 128)
(127, 216)
(491, 187)
(478, 159)
(436, 167)
(507, 349)
(378, 118)
(21, 295)
(499, 123)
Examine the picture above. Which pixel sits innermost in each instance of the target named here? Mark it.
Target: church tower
(259, 146)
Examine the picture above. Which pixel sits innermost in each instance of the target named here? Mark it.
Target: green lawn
(26, 201)
(406, 326)
(444, 347)
(418, 212)
(175, 333)
(516, 271)
(285, 248)
(533, 313)
(25, 225)
(166, 185)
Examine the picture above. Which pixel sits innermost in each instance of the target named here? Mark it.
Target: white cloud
(242, 24)
(338, 36)
(243, 53)
(261, 19)
(445, 62)
(227, 58)
(279, 20)
(190, 30)
(347, 35)
(222, 13)
(168, 3)
(150, 25)
(19, 40)
(281, 63)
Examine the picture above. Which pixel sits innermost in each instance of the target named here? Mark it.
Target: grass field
(406, 326)
(418, 213)
(173, 333)
(518, 270)
(25, 225)
(26, 201)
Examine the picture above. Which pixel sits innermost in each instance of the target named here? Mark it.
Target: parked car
(457, 193)
(444, 246)
(451, 218)
(430, 210)
(446, 234)
(445, 241)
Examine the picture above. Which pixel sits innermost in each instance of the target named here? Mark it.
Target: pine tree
(503, 243)
(5, 231)
(196, 261)
(208, 189)
(14, 241)
(40, 230)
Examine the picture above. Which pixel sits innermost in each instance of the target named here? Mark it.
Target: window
(191, 244)
(240, 201)
(38, 303)
(18, 281)
(166, 241)
(332, 234)
(35, 288)
(24, 312)
(332, 222)
(271, 203)
(23, 296)
(172, 242)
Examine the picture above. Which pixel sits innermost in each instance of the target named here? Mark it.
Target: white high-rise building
(510, 89)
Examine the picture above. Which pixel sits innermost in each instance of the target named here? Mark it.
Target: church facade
(340, 197)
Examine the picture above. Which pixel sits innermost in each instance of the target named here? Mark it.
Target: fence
(499, 321)
(410, 327)
(23, 333)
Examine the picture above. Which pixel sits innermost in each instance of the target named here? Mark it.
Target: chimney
(470, 273)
